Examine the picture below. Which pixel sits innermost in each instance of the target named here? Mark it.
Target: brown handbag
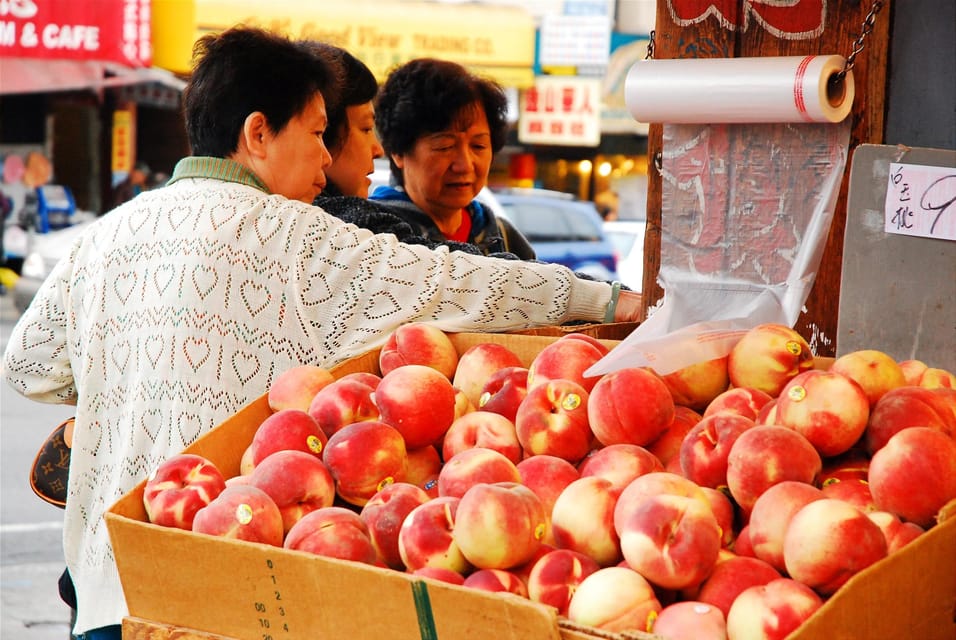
(51, 467)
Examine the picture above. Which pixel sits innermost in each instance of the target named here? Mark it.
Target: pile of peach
(726, 500)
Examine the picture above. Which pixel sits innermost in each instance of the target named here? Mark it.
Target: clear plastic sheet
(745, 217)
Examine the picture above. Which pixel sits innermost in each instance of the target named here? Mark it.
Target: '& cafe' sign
(105, 30)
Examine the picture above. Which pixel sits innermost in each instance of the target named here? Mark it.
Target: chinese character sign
(921, 201)
(561, 110)
(105, 30)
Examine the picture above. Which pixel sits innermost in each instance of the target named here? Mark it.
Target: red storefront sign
(102, 30)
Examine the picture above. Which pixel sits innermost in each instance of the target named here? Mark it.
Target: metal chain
(650, 47)
(868, 23)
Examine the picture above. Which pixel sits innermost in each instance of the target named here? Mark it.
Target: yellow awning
(493, 40)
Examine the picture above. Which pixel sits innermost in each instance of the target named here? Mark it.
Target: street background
(31, 531)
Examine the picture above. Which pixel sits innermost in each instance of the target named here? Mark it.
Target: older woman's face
(296, 158)
(445, 170)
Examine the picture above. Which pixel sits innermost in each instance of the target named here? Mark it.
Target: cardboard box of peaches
(201, 586)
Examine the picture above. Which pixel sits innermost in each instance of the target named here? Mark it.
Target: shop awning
(491, 39)
(36, 75)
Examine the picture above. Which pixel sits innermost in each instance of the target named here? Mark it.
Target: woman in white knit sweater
(177, 308)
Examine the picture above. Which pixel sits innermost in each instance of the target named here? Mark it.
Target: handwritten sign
(921, 201)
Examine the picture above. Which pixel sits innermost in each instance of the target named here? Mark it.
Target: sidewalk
(27, 610)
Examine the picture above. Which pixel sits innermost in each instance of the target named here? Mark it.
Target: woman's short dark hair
(355, 85)
(427, 95)
(243, 70)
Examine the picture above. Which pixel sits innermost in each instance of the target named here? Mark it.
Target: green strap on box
(423, 607)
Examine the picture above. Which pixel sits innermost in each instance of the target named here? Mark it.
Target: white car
(627, 236)
(44, 250)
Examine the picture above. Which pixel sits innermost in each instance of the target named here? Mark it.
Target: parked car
(627, 236)
(44, 250)
(561, 229)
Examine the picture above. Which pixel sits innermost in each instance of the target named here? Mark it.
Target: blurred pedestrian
(132, 185)
(440, 126)
(183, 304)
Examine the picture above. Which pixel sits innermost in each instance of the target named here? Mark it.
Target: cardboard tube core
(836, 89)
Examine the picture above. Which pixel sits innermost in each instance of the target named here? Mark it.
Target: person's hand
(630, 307)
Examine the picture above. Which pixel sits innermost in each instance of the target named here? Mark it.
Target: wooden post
(750, 28)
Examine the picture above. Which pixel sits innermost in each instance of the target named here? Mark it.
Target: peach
(566, 358)
(828, 542)
(767, 413)
(690, 620)
(771, 516)
(745, 401)
(246, 464)
(547, 476)
(706, 447)
(852, 465)
(240, 479)
(597, 344)
(367, 377)
(297, 482)
(524, 570)
(418, 343)
(482, 429)
(287, 429)
(179, 487)
(828, 408)
(241, 512)
(855, 492)
(363, 458)
(673, 541)
(742, 543)
(556, 575)
(696, 385)
(496, 581)
(731, 576)
(619, 463)
(553, 419)
(426, 537)
(667, 445)
(333, 532)
(914, 474)
(478, 363)
(630, 406)
(652, 484)
(723, 508)
(475, 466)
(499, 525)
(897, 533)
(767, 357)
(342, 403)
(462, 406)
(440, 573)
(418, 401)
(766, 455)
(936, 378)
(614, 599)
(504, 391)
(771, 611)
(384, 514)
(909, 407)
(583, 519)
(424, 465)
(912, 370)
(294, 388)
(875, 371)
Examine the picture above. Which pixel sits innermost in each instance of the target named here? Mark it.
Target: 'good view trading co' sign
(107, 30)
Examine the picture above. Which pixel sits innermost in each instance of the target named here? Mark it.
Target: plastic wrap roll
(739, 90)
